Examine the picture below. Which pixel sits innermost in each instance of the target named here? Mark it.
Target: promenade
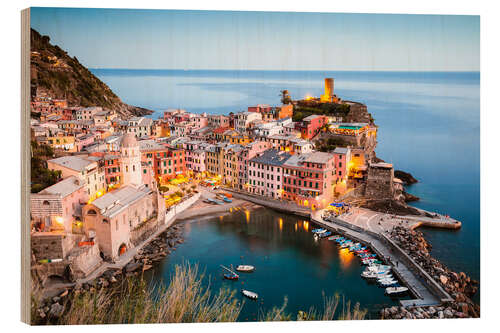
(424, 296)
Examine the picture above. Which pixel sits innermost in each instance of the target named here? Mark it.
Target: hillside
(54, 72)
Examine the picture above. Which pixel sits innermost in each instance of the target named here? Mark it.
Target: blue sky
(163, 39)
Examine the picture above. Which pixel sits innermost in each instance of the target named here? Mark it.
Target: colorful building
(309, 179)
(265, 173)
(310, 126)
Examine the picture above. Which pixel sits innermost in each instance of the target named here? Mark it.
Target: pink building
(265, 173)
(342, 157)
(251, 150)
(59, 207)
(199, 121)
(310, 126)
(84, 140)
(309, 179)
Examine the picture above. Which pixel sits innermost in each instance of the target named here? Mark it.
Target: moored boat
(249, 294)
(395, 290)
(245, 268)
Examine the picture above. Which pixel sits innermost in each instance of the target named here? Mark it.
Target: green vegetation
(330, 144)
(306, 108)
(184, 300)
(41, 177)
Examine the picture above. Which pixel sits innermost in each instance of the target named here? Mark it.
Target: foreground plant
(330, 305)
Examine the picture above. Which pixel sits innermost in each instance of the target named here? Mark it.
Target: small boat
(319, 231)
(395, 290)
(373, 275)
(245, 268)
(225, 199)
(323, 234)
(231, 275)
(331, 238)
(249, 294)
(388, 283)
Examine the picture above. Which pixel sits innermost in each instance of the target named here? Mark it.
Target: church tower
(130, 161)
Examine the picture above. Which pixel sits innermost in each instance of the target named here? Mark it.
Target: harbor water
(289, 262)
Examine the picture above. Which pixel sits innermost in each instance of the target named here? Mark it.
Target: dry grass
(330, 306)
(184, 300)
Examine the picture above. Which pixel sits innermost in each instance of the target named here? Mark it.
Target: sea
(429, 125)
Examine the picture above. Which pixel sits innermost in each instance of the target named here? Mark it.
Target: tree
(285, 97)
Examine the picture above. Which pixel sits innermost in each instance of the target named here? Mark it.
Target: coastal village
(112, 184)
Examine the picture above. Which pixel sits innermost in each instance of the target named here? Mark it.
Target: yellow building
(64, 142)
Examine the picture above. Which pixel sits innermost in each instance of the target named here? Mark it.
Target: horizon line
(291, 70)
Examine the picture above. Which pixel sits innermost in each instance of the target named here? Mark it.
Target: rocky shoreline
(52, 304)
(460, 286)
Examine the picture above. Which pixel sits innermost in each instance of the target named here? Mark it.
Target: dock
(424, 289)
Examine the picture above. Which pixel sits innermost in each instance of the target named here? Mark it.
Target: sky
(173, 39)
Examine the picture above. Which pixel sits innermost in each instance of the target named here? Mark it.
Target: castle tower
(327, 97)
(130, 161)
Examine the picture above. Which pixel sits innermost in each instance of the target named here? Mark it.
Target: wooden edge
(25, 167)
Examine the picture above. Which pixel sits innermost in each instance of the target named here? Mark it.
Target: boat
(319, 231)
(226, 199)
(395, 290)
(245, 268)
(373, 275)
(388, 283)
(249, 294)
(331, 238)
(231, 275)
(378, 268)
(323, 234)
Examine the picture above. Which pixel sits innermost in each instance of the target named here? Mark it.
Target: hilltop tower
(130, 161)
(328, 96)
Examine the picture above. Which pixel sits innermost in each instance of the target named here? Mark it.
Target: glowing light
(306, 203)
(59, 220)
(308, 97)
(295, 226)
(247, 215)
(281, 223)
(346, 257)
(99, 194)
(306, 226)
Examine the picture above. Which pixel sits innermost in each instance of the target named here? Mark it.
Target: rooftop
(72, 162)
(113, 202)
(272, 157)
(64, 187)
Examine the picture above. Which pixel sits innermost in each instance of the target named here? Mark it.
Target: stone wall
(84, 261)
(49, 245)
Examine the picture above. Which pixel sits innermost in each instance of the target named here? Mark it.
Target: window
(91, 212)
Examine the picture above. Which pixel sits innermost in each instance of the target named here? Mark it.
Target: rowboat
(319, 231)
(245, 268)
(231, 275)
(227, 200)
(249, 294)
(395, 290)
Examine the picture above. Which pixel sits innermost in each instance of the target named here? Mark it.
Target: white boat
(373, 275)
(395, 290)
(249, 294)
(245, 268)
(377, 270)
(387, 283)
(376, 267)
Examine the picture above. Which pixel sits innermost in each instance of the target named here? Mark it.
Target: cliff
(60, 76)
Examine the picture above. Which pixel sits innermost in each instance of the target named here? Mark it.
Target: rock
(112, 279)
(431, 310)
(448, 313)
(56, 310)
(132, 266)
(393, 310)
(443, 279)
(41, 313)
(56, 299)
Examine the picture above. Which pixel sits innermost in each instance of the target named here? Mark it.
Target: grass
(184, 300)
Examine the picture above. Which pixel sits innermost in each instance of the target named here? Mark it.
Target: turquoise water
(428, 125)
(289, 263)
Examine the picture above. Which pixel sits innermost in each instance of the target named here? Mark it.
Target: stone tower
(130, 161)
